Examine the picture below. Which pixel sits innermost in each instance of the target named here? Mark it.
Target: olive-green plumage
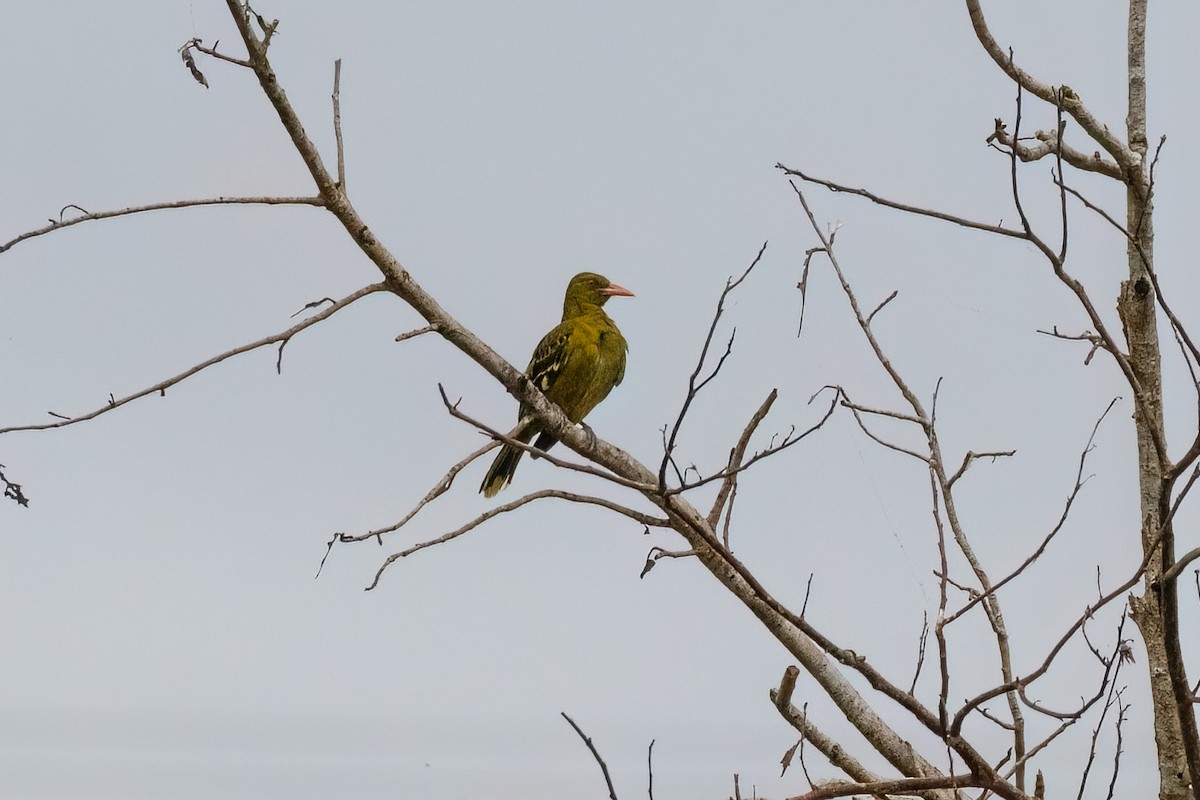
(575, 365)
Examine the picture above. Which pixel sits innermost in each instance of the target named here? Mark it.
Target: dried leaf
(786, 761)
(190, 62)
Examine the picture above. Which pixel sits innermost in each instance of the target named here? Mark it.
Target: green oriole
(575, 365)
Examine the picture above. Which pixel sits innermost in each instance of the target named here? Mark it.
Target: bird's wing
(550, 357)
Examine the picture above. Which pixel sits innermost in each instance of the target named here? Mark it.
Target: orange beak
(616, 291)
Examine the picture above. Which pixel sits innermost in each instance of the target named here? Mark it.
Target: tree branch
(161, 387)
(603, 767)
(1127, 159)
(88, 216)
(636, 516)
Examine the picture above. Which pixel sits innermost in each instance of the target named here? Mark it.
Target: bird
(575, 365)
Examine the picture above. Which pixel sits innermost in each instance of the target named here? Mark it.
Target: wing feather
(549, 358)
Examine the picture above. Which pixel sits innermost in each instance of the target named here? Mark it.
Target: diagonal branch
(828, 747)
(797, 636)
(636, 516)
(161, 387)
(735, 458)
(88, 216)
(898, 206)
(612, 793)
(441, 487)
(1080, 480)
(1126, 158)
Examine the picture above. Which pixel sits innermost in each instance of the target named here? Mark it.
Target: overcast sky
(163, 634)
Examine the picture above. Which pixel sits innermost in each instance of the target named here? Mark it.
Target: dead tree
(963, 761)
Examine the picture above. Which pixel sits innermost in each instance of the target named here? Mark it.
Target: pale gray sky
(163, 634)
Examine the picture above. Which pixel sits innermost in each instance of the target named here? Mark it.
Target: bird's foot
(589, 433)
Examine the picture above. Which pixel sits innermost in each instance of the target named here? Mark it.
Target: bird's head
(587, 289)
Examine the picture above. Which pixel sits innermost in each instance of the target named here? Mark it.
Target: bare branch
(1025, 233)
(337, 123)
(198, 46)
(1080, 480)
(441, 487)
(883, 201)
(773, 449)
(972, 457)
(403, 337)
(922, 640)
(879, 307)
(124, 212)
(694, 387)
(1176, 324)
(832, 750)
(637, 516)
(650, 770)
(603, 767)
(1050, 143)
(1055, 649)
(1114, 698)
(161, 387)
(891, 787)
(1179, 566)
(1087, 336)
(736, 455)
(862, 424)
(939, 628)
(658, 553)
(1128, 160)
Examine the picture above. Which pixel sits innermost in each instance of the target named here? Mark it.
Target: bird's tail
(502, 471)
(505, 465)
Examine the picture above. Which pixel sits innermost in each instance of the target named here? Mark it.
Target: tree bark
(1156, 611)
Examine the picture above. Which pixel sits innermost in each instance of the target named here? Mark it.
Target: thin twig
(657, 553)
(161, 387)
(879, 307)
(636, 516)
(736, 455)
(972, 456)
(198, 46)
(612, 793)
(441, 487)
(921, 642)
(694, 386)
(337, 123)
(883, 201)
(1027, 679)
(403, 337)
(773, 449)
(650, 770)
(1080, 480)
(124, 212)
